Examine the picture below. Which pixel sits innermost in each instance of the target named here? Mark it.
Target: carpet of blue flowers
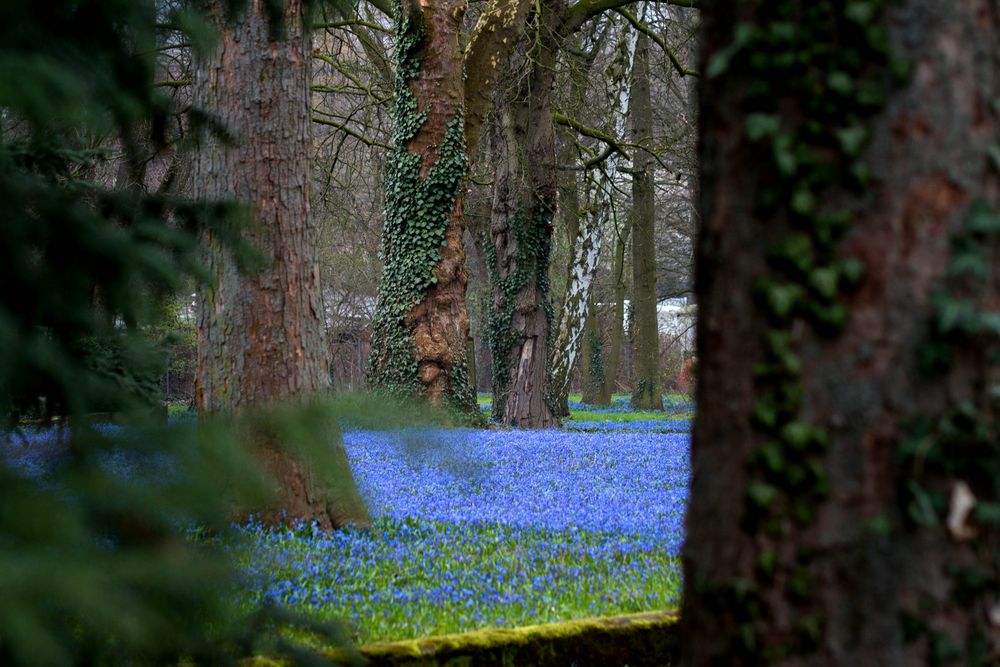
(472, 528)
(487, 528)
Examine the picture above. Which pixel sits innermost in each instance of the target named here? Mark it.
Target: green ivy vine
(417, 213)
(531, 261)
(817, 73)
(961, 443)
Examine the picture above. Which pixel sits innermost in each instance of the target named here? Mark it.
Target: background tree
(845, 457)
(260, 333)
(646, 335)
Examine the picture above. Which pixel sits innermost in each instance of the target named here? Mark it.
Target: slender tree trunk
(845, 456)
(586, 251)
(523, 150)
(617, 338)
(646, 372)
(421, 322)
(591, 359)
(569, 215)
(260, 335)
(600, 183)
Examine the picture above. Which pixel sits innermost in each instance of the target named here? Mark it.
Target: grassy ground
(676, 406)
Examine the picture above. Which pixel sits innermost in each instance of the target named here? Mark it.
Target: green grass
(416, 578)
(485, 398)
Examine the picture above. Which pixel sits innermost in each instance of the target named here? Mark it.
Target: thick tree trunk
(646, 370)
(617, 320)
(421, 322)
(846, 456)
(523, 150)
(260, 335)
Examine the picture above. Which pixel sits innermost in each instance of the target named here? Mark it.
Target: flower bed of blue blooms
(487, 528)
(472, 528)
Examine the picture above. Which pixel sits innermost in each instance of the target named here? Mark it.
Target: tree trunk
(617, 320)
(845, 457)
(569, 216)
(523, 150)
(600, 183)
(591, 359)
(646, 373)
(421, 321)
(586, 250)
(260, 335)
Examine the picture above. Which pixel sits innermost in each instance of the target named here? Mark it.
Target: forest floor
(493, 528)
(473, 528)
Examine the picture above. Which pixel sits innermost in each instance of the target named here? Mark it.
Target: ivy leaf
(783, 155)
(968, 263)
(921, 508)
(760, 125)
(994, 153)
(761, 493)
(825, 281)
(983, 219)
(852, 139)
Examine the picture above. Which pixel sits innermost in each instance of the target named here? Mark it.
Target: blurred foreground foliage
(97, 561)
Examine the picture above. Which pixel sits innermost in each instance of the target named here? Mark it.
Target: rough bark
(498, 29)
(424, 277)
(646, 370)
(523, 150)
(260, 335)
(836, 445)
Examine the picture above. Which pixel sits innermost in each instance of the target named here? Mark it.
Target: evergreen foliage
(94, 566)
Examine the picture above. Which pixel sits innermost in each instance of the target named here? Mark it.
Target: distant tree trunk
(646, 372)
(421, 321)
(569, 216)
(523, 150)
(617, 320)
(845, 459)
(260, 335)
(591, 362)
(586, 250)
(586, 245)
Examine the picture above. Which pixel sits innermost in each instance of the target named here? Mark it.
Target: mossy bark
(260, 334)
(842, 157)
(422, 324)
(636, 640)
(522, 148)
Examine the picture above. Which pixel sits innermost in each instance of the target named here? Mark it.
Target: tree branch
(495, 34)
(582, 10)
(612, 144)
(646, 30)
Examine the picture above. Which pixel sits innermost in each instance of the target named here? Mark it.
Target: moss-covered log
(636, 640)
